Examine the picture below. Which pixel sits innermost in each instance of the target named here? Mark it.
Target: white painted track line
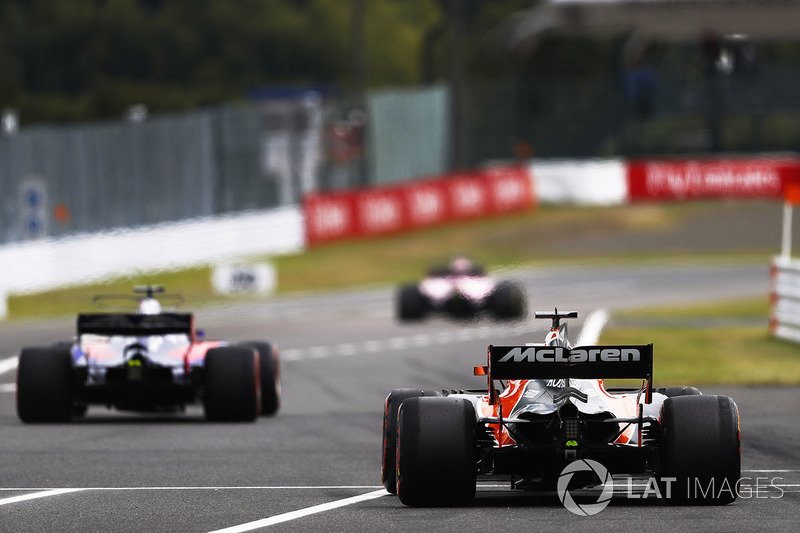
(294, 515)
(36, 495)
(592, 328)
(770, 470)
(590, 333)
(251, 487)
(7, 365)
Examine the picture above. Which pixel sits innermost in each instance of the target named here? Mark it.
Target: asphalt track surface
(316, 465)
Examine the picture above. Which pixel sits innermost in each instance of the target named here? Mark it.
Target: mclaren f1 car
(546, 406)
(148, 360)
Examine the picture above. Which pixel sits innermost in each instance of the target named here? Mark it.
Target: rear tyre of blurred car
(671, 392)
(507, 302)
(44, 385)
(701, 449)
(411, 303)
(436, 452)
(230, 384)
(269, 376)
(390, 408)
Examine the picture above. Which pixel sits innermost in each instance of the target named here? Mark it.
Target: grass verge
(686, 352)
(194, 284)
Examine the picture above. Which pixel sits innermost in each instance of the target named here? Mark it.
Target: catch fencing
(57, 181)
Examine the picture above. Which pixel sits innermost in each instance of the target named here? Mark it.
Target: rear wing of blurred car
(634, 361)
(134, 324)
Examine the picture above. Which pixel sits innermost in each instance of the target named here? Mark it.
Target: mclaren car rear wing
(134, 324)
(634, 361)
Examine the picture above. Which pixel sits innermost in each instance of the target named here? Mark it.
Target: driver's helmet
(149, 306)
(461, 265)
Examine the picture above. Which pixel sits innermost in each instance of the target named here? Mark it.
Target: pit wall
(48, 263)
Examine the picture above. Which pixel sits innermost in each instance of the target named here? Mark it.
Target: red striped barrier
(379, 211)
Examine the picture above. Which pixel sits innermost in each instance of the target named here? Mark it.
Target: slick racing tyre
(671, 392)
(436, 452)
(230, 384)
(269, 376)
(390, 408)
(507, 302)
(44, 385)
(701, 449)
(411, 303)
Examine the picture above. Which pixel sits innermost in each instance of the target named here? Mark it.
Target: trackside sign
(587, 362)
(714, 178)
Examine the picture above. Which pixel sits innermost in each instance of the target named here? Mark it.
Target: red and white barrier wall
(613, 182)
(504, 188)
(380, 211)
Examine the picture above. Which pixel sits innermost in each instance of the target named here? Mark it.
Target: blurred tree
(91, 59)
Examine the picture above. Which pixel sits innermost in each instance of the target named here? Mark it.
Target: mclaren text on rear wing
(582, 362)
(133, 324)
(633, 361)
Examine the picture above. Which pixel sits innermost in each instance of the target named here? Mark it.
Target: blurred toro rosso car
(461, 290)
(146, 361)
(552, 408)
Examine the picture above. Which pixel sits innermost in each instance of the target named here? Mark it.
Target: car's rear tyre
(411, 303)
(436, 452)
(269, 376)
(507, 302)
(701, 449)
(44, 385)
(390, 408)
(230, 384)
(672, 392)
